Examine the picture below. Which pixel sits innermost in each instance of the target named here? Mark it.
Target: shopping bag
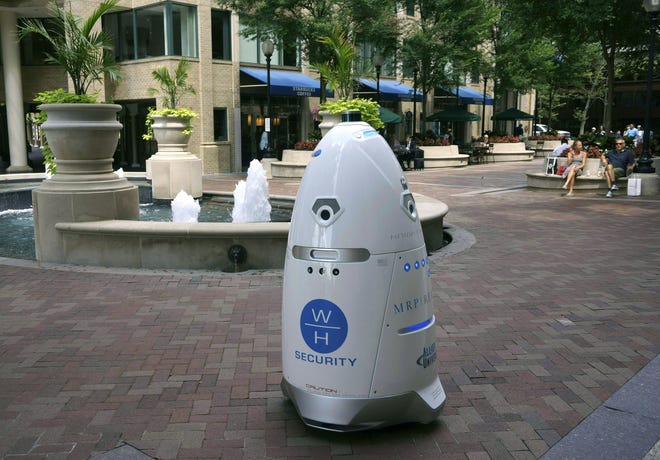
(634, 185)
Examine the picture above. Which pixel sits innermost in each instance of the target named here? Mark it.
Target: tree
(616, 26)
(294, 23)
(443, 44)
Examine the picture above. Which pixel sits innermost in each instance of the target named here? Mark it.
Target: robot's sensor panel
(326, 211)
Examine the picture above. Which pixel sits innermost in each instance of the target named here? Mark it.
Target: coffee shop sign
(302, 91)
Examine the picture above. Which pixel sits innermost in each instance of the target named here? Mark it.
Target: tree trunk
(585, 113)
(608, 54)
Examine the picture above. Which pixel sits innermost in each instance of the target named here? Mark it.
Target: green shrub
(369, 109)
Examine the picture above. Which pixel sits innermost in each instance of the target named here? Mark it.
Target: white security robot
(358, 339)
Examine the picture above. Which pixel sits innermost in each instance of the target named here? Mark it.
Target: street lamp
(644, 164)
(268, 47)
(414, 101)
(378, 63)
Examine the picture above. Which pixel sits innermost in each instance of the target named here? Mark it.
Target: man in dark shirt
(620, 162)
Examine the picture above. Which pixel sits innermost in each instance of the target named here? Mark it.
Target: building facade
(227, 72)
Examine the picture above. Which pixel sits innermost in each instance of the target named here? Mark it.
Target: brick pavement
(539, 323)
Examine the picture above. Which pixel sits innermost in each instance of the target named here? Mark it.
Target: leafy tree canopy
(303, 22)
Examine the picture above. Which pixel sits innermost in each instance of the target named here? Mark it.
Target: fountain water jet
(251, 202)
(185, 208)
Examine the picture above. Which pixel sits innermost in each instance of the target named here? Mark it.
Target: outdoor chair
(418, 160)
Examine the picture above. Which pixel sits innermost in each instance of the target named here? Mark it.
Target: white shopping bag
(634, 185)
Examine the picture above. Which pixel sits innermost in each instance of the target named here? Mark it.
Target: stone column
(13, 93)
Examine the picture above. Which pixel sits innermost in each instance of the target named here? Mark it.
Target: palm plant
(339, 71)
(84, 53)
(172, 86)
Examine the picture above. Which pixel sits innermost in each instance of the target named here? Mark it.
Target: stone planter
(293, 164)
(83, 138)
(172, 168)
(329, 121)
(168, 133)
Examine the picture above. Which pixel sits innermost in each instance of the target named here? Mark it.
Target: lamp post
(414, 101)
(378, 63)
(644, 163)
(267, 47)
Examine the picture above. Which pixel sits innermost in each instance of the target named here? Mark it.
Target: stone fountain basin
(203, 245)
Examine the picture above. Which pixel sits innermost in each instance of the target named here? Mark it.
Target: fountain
(251, 202)
(208, 245)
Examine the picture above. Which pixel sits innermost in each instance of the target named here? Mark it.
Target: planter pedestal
(172, 168)
(83, 138)
(170, 174)
(329, 121)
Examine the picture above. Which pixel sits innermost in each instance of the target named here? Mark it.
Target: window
(410, 7)
(365, 60)
(182, 40)
(34, 47)
(250, 51)
(221, 34)
(150, 29)
(220, 124)
(119, 26)
(474, 75)
(164, 29)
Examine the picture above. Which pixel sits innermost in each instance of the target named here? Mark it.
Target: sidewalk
(542, 317)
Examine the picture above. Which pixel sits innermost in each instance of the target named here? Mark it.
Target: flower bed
(546, 137)
(305, 145)
(504, 139)
(431, 142)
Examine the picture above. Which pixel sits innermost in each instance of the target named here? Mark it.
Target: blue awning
(470, 96)
(282, 82)
(390, 90)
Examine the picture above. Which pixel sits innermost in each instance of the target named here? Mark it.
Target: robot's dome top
(354, 195)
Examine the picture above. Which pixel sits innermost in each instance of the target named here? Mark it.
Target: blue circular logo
(323, 326)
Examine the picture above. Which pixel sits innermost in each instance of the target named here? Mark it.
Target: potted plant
(171, 124)
(81, 133)
(368, 108)
(83, 53)
(172, 168)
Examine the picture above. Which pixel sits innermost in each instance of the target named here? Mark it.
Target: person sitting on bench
(409, 155)
(618, 163)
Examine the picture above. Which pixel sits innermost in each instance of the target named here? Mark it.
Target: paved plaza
(548, 332)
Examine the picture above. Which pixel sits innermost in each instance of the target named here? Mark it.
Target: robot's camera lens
(325, 214)
(411, 208)
(335, 271)
(310, 270)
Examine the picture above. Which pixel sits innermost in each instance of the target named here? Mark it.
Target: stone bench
(443, 156)
(589, 180)
(543, 149)
(293, 164)
(510, 151)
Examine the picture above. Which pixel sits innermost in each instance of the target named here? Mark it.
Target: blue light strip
(417, 327)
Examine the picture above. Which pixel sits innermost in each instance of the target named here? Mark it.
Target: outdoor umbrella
(456, 114)
(512, 114)
(387, 116)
